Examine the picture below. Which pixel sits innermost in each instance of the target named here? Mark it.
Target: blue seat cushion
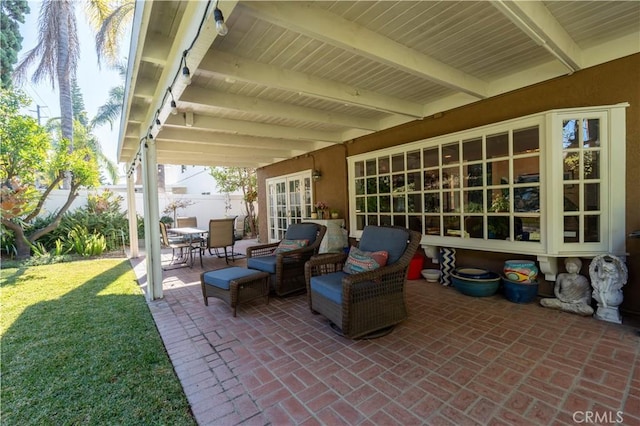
(329, 286)
(302, 231)
(391, 240)
(263, 263)
(222, 278)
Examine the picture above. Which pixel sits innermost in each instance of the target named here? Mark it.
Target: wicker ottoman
(234, 285)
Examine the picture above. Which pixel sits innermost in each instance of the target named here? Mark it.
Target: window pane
(399, 183)
(474, 226)
(432, 203)
(452, 226)
(592, 229)
(527, 228)
(360, 222)
(526, 141)
(592, 196)
(372, 220)
(472, 150)
(571, 165)
(372, 185)
(400, 221)
(571, 201)
(591, 132)
(498, 200)
(360, 206)
(451, 201)
(592, 165)
(372, 204)
(526, 170)
(359, 186)
(384, 184)
(498, 227)
(399, 204)
(498, 145)
(473, 202)
(432, 225)
(359, 168)
(414, 203)
(451, 177)
(398, 162)
(383, 165)
(414, 182)
(526, 199)
(432, 179)
(385, 220)
(498, 172)
(571, 226)
(371, 167)
(570, 134)
(472, 175)
(415, 223)
(413, 160)
(430, 157)
(385, 204)
(451, 153)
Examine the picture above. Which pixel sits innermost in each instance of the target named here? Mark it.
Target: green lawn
(79, 346)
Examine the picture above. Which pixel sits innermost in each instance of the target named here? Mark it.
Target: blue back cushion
(302, 231)
(392, 240)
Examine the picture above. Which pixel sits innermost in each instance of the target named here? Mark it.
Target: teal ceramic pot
(524, 271)
(477, 287)
(519, 292)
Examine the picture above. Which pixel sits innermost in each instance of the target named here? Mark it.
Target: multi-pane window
(485, 187)
(550, 184)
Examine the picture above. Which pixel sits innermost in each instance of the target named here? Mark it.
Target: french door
(289, 201)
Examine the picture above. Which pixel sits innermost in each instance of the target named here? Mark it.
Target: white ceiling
(291, 77)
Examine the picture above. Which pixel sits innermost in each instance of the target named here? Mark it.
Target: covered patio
(457, 360)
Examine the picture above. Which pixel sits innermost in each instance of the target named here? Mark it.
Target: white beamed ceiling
(292, 77)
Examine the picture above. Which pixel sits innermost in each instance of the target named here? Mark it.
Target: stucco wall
(611, 83)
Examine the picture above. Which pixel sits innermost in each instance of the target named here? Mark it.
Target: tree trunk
(64, 74)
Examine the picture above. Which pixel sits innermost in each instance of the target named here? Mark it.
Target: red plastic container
(415, 266)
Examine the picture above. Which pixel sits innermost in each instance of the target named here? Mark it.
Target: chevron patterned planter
(447, 264)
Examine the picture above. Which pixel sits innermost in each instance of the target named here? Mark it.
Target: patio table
(191, 235)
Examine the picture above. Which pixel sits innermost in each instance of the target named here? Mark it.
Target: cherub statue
(608, 275)
(572, 291)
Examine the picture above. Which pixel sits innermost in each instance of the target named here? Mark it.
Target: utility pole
(37, 111)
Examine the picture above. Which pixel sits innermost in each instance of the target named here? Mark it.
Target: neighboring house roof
(293, 77)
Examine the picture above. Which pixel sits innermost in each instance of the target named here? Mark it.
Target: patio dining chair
(221, 236)
(362, 293)
(284, 260)
(177, 243)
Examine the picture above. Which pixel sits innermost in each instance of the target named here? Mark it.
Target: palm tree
(110, 111)
(57, 51)
(110, 21)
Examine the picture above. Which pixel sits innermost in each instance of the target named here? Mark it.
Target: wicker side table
(234, 285)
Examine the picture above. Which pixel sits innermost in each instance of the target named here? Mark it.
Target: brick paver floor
(457, 360)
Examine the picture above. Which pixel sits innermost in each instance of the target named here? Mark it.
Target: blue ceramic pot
(524, 271)
(519, 292)
(477, 287)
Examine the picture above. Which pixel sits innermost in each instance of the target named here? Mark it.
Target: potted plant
(335, 213)
(320, 209)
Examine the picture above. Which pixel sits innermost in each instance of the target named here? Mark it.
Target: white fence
(204, 207)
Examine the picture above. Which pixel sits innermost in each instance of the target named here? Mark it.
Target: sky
(94, 82)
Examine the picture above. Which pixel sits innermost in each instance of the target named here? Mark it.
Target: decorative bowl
(431, 275)
(519, 292)
(477, 287)
(474, 273)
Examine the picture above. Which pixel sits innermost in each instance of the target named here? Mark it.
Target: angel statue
(608, 275)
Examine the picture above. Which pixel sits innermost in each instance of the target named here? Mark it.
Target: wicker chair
(287, 268)
(366, 304)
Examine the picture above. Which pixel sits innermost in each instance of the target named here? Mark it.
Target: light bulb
(221, 27)
(174, 108)
(186, 74)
